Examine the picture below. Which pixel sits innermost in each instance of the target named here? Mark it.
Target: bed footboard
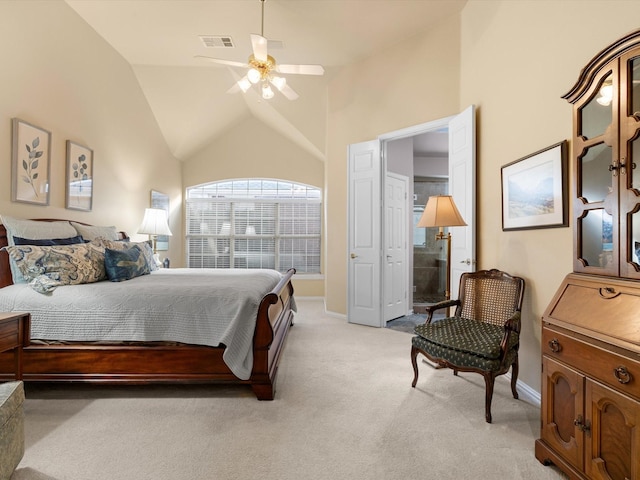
(275, 317)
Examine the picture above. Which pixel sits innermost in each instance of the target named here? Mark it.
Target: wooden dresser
(590, 417)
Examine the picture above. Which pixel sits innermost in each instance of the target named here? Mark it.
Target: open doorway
(429, 152)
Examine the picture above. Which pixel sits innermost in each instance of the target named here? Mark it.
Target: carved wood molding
(589, 72)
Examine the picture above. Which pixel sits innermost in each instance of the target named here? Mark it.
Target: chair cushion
(463, 342)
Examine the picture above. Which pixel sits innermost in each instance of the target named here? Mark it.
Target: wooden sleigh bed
(141, 363)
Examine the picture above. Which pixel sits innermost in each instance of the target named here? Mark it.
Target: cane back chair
(483, 334)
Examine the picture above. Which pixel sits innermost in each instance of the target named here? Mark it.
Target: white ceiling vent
(217, 41)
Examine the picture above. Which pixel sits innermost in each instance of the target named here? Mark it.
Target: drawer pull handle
(554, 345)
(608, 292)
(622, 374)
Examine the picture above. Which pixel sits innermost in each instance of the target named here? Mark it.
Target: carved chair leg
(514, 377)
(489, 380)
(414, 362)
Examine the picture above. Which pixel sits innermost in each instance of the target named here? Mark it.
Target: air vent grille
(217, 41)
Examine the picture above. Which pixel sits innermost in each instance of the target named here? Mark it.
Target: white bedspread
(196, 306)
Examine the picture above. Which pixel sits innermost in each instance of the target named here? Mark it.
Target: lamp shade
(154, 222)
(441, 211)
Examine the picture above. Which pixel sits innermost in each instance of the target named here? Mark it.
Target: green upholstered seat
(463, 342)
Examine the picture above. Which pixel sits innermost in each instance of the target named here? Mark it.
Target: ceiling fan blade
(259, 44)
(234, 89)
(301, 69)
(284, 88)
(230, 63)
(241, 85)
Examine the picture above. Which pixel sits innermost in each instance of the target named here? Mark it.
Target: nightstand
(14, 334)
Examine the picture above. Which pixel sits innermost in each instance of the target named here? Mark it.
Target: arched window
(254, 223)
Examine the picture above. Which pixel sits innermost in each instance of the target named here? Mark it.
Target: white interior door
(396, 259)
(462, 185)
(364, 242)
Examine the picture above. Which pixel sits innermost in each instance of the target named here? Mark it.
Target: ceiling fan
(262, 69)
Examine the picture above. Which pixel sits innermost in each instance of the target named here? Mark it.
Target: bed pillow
(36, 230)
(16, 274)
(125, 264)
(145, 247)
(60, 264)
(48, 242)
(90, 232)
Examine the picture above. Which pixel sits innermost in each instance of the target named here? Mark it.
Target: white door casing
(395, 245)
(364, 234)
(462, 186)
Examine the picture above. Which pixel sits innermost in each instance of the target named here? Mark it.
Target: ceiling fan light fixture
(261, 66)
(254, 75)
(267, 93)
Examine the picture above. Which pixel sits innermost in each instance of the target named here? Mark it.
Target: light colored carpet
(344, 409)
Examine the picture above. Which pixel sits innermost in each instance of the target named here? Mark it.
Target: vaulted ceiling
(187, 95)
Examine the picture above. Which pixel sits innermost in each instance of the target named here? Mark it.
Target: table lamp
(154, 223)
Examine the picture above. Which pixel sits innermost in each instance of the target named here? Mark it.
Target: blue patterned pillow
(125, 264)
(145, 247)
(62, 264)
(15, 271)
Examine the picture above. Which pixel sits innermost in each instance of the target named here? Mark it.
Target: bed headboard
(5, 271)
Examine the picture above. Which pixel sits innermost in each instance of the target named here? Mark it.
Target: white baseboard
(526, 393)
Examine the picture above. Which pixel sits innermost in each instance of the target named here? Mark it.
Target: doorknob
(353, 255)
(466, 262)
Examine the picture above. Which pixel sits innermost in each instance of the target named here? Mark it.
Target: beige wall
(252, 149)
(409, 84)
(58, 74)
(517, 60)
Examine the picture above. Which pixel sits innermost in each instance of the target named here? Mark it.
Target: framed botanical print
(30, 163)
(79, 177)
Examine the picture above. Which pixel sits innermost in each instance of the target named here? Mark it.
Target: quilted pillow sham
(91, 232)
(59, 265)
(125, 264)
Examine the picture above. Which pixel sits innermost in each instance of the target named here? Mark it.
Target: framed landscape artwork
(534, 190)
(79, 177)
(30, 163)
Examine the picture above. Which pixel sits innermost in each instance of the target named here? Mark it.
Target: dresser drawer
(616, 370)
(9, 341)
(9, 328)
